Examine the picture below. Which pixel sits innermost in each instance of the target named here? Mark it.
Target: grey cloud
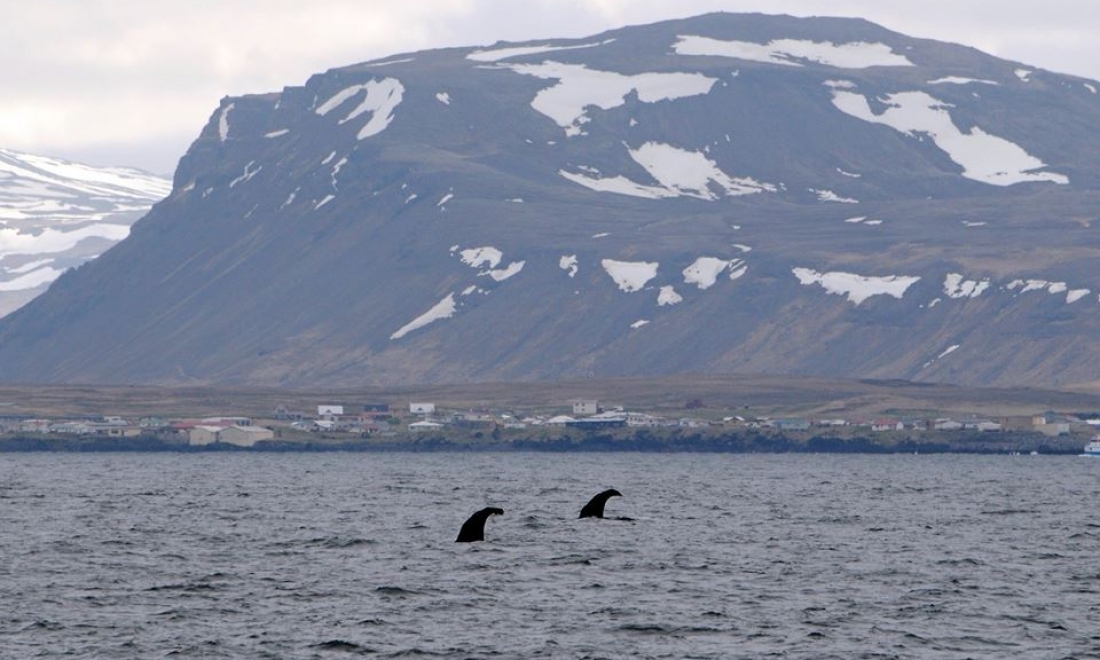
(108, 80)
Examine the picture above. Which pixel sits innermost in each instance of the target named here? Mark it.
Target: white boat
(1092, 448)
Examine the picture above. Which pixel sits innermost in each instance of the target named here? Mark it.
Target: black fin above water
(474, 528)
(594, 508)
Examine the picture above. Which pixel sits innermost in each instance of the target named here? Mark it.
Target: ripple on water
(276, 556)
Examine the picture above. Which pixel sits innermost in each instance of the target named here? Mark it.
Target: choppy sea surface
(239, 555)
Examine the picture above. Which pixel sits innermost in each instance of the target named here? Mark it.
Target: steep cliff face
(724, 194)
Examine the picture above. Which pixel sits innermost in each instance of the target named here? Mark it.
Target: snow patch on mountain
(668, 296)
(794, 52)
(630, 276)
(679, 173)
(983, 157)
(1054, 288)
(1036, 285)
(31, 280)
(380, 98)
(948, 351)
(50, 240)
(704, 271)
(223, 122)
(248, 174)
(691, 173)
(830, 196)
(856, 287)
(479, 256)
(618, 184)
(954, 286)
(498, 54)
(568, 263)
(508, 271)
(444, 309)
(579, 88)
(959, 80)
(26, 178)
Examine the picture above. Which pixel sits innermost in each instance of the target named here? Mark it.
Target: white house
(329, 411)
(585, 407)
(881, 425)
(425, 425)
(422, 408)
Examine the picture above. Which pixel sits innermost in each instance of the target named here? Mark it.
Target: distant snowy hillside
(56, 215)
(729, 193)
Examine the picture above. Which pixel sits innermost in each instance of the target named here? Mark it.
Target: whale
(474, 528)
(594, 508)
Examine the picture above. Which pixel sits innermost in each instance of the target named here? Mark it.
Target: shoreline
(724, 443)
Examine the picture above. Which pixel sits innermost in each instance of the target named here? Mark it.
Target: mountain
(56, 215)
(721, 194)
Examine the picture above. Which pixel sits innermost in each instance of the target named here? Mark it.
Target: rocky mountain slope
(56, 215)
(722, 194)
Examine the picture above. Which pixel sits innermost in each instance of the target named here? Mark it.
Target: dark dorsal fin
(474, 528)
(594, 508)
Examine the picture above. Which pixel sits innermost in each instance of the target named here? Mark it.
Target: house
(35, 426)
(793, 424)
(692, 423)
(226, 421)
(241, 436)
(283, 412)
(1053, 429)
(244, 436)
(425, 425)
(642, 419)
(203, 435)
(599, 421)
(947, 425)
(329, 411)
(882, 425)
(585, 407)
(422, 409)
(73, 428)
(987, 426)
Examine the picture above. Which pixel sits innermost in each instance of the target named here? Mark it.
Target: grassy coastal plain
(749, 396)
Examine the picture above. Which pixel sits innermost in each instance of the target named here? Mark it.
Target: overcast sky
(131, 82)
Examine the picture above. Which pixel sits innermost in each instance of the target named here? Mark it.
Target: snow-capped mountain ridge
(56, 214)
(665, 198)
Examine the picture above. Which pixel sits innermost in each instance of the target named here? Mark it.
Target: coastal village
(336, 423)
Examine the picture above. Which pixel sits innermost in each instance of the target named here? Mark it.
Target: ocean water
(239, 555)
